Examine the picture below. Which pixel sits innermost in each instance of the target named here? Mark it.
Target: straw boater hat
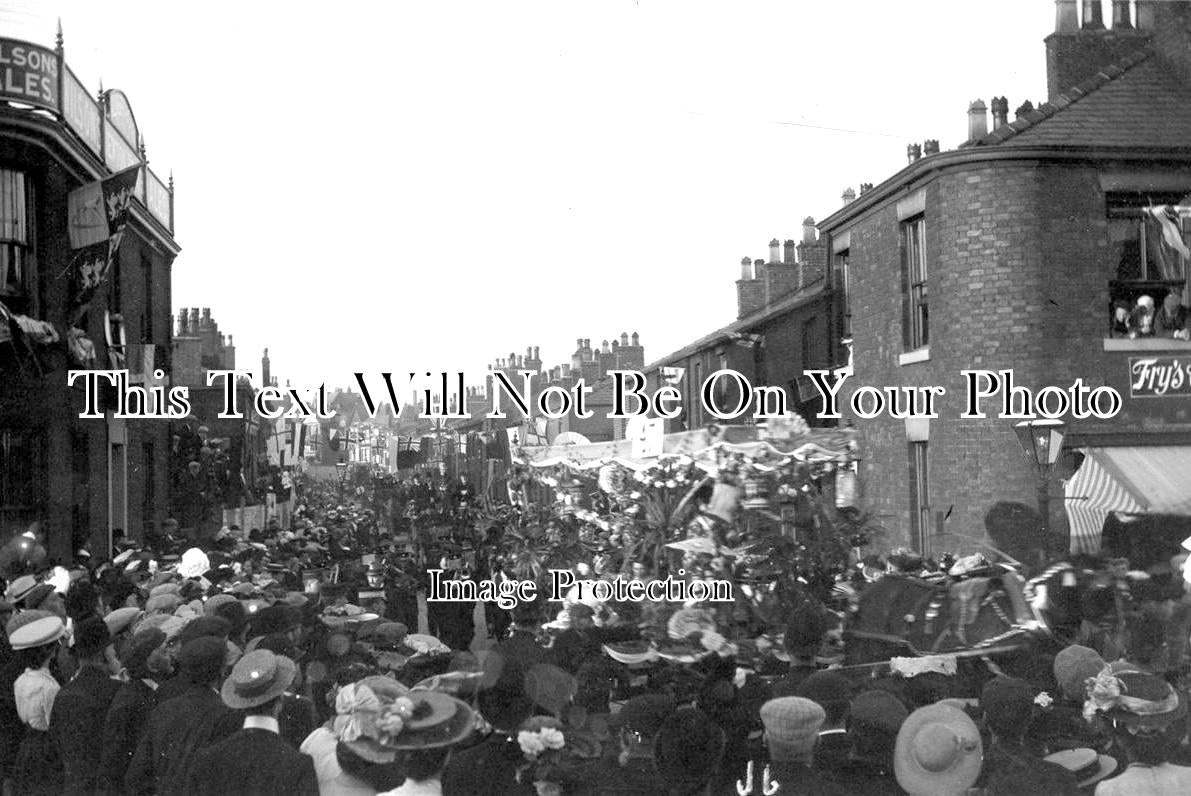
(257, 678)
(1087, 766)
(938, 751)
(38, 633)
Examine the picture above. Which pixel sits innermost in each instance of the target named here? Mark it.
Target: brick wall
(1018, 278)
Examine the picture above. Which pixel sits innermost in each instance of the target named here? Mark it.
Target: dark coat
(123, 727)
(76, 723)
(487, 769)
(298, 719)
(178, 729)
(251, 761)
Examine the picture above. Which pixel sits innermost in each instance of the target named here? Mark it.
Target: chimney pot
(930, 146)
(536, 355)
(1120, 15)
(977, 120)
(1093, 17)
(1000, 112)
(1066, 16)
(746, 274)
(1023, 109)
(789, 252)
(587, 343)
(774, 249)
(913, 152)
(604, 347)
(624, 338)
(848, 196)
(636, 339)
(865, 187)
(809, 235)
(529, 352)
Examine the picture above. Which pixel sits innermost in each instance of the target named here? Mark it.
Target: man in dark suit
(178, 728)
(131, 707)
(254, 760)
(80, 708)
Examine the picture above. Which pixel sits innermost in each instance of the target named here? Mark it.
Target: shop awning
(1126, 480)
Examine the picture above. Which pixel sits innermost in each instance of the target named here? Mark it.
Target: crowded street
(312, 484)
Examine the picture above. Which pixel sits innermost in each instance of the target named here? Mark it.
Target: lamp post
(1042, 442)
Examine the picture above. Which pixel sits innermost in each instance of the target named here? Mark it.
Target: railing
(85, 116)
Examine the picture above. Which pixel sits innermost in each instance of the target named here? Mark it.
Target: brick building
(82, 479)
(1009, 253)
(784, 326)
(228, 451)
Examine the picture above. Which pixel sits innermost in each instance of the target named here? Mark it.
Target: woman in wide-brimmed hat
(938, 753)
(348, 758)
(36, 636)
(1148, 717)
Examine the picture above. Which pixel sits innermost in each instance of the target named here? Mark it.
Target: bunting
(1165, 244)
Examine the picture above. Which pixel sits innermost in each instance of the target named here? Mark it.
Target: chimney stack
(1093, 18)
(913, 152)
(790, 255)
(1120, 15)
(1000, 112)
(775, 251)
(746, 274)
(265, 377)
(930, 146)
(1066, 17)
(848, 196)
(977, 120)
(809, 236)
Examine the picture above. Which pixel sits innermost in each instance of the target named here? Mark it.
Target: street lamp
(1042, 442)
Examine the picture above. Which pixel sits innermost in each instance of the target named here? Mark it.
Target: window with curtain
(14, 232)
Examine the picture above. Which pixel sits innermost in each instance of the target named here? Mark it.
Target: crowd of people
(290, 661)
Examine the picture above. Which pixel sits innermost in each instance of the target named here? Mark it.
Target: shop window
(22, 476)
(1148, 242)
(915, 314)
(14, 234)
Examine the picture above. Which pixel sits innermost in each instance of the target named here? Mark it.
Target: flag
(673, 375)
(96, 216)
(297, 442)
(1165, 242)
(98, 211)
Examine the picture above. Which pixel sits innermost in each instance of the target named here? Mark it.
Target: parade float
(768, 509)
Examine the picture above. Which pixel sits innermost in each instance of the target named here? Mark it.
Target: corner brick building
(1009, 253)
(81, 480)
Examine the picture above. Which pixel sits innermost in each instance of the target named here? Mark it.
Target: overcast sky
(428, 186)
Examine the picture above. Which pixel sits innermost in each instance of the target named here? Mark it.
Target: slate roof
(1135, 103)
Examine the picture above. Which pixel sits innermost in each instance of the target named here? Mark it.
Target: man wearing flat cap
(254, 759)
(178, 728)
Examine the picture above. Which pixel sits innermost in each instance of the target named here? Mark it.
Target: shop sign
(29, 74)
(1159, 377)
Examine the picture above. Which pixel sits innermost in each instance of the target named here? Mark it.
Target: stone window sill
(917, 355)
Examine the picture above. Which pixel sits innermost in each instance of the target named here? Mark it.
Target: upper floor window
(915, 315)
(1148, 237)
(14, 232)
(842, 282)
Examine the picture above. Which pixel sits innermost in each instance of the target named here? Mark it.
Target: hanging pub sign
(1159, 377)
(29, 74)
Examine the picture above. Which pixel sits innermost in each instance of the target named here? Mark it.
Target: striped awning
(1126, 480)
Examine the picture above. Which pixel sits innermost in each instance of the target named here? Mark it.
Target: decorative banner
(29, 74)
(647, 441)
(1159, 377)
(95, 259)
